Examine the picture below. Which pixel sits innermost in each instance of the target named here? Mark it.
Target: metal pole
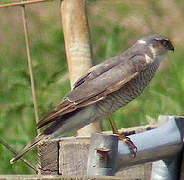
(164, 142)
(160, 143)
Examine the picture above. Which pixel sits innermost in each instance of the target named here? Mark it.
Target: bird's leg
(127, 140)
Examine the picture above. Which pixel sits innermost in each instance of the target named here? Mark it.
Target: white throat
(141, 41)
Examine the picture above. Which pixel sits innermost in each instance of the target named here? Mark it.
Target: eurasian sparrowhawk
(104, 89)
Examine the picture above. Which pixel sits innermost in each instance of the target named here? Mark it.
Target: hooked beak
(170, 46)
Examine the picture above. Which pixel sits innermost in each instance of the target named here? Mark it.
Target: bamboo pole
(22, 3)
(30, 65)
(77, 45)
(30, 69)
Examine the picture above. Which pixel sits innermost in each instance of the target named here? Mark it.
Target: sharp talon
(132, 147)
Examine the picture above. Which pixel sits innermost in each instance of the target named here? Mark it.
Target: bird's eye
(164, 43)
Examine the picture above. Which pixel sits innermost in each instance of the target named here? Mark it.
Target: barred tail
(29, 146)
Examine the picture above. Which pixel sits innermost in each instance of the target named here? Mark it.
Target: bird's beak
(170, 46)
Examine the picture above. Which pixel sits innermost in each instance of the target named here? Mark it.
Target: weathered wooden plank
(57, 177)
(48, 153)
(70, 155)
(73, 155)
(142, 172)
(133, 130)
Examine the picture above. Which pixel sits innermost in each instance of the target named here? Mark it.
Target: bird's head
(158, 44)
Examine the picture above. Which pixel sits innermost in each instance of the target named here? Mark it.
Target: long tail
(29, 146)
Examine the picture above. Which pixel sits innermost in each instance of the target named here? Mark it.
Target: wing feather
(100, 81)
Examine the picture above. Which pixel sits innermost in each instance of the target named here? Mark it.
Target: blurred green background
(114, 26)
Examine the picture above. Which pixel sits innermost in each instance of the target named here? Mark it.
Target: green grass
(110, 33)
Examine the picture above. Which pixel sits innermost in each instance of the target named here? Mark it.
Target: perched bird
(104, 89)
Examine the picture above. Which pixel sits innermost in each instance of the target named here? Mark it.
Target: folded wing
(100, 81)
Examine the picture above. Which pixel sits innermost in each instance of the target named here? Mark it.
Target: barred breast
(127, 93)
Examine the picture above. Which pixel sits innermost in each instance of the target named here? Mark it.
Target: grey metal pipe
(163, 143)
(160, 143)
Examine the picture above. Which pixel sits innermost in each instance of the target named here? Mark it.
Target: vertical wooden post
(77, 45)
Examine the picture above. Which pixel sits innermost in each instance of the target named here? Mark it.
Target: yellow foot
(127, 140)
(131, 145)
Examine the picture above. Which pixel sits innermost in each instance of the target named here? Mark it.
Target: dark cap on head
(163, 40)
